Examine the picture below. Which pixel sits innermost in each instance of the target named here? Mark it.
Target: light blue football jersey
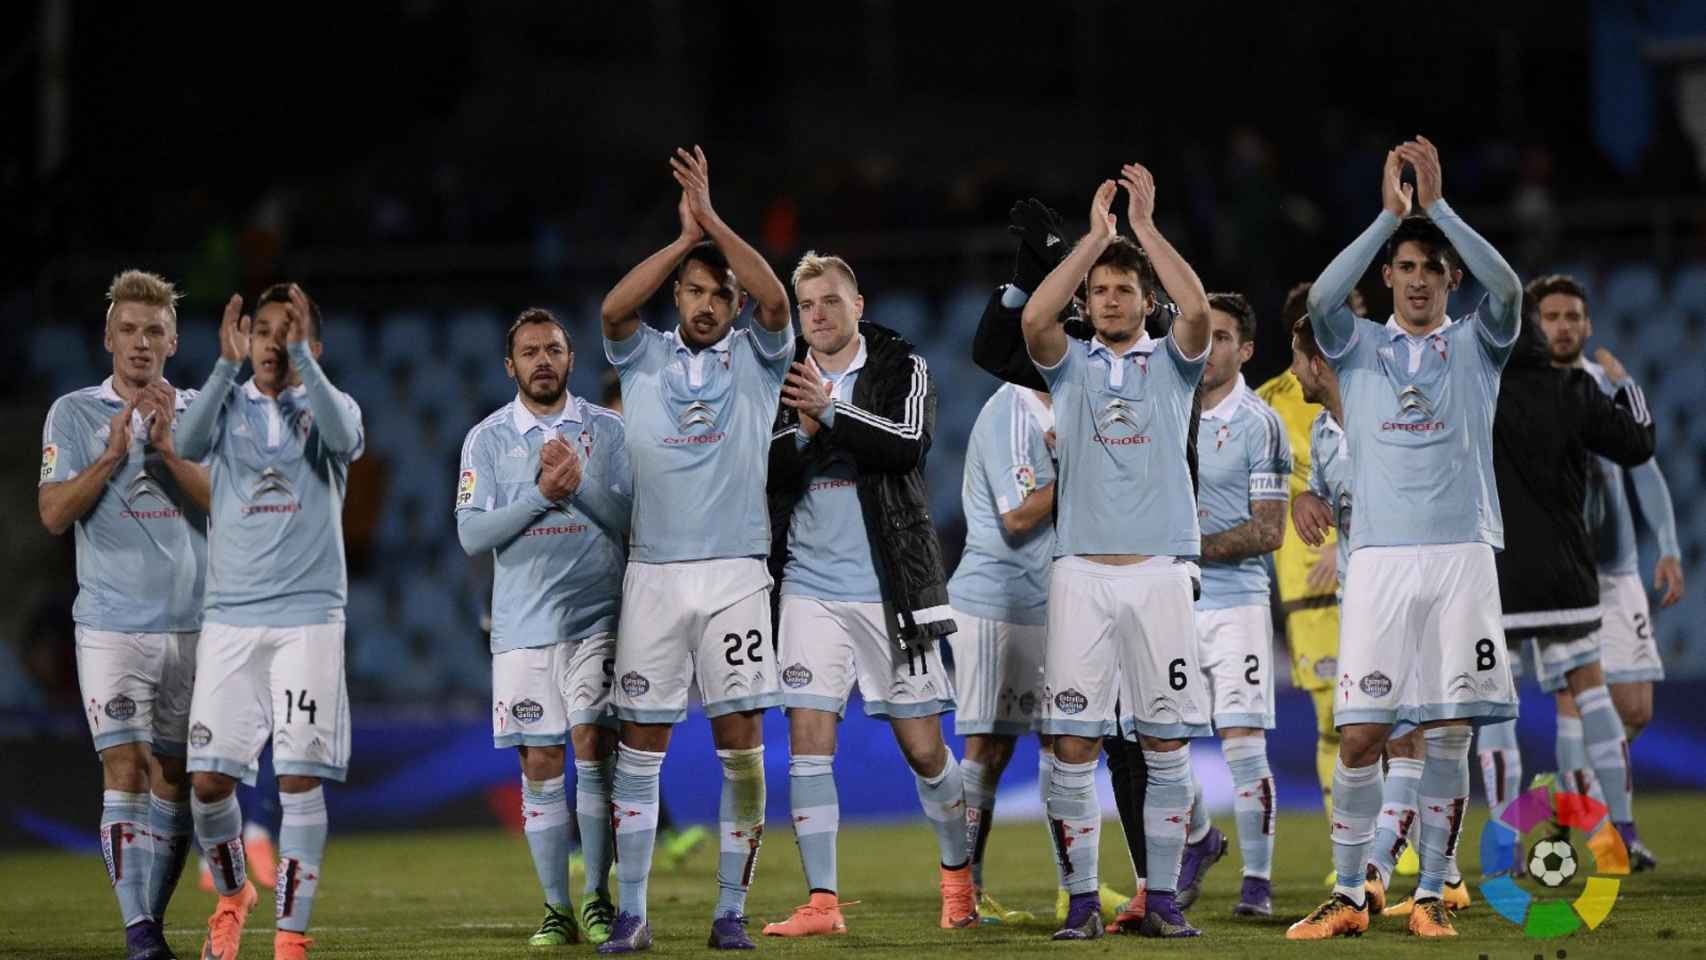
(1123, 485)
(557, 567)
(142, 548)
(698, 427)
(1243, 455)
(1611, 518)
(1330, 479)
(280, 469)
(1419, 410)
(829, 549)
(999, 577)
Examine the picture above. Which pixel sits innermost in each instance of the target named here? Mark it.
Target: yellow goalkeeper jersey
(1294, 557)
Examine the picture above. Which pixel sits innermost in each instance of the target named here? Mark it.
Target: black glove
(1042, 242)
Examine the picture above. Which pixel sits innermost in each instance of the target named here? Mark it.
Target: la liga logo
(1551, 861)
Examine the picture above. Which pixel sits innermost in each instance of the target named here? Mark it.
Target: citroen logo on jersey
(698, 414)
(271, 481)
(1411, 400)
(1118, 410)
(143, 485)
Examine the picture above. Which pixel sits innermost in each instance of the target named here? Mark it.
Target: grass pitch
(473, 895)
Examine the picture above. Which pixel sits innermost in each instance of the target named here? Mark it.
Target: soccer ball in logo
(1552, 862)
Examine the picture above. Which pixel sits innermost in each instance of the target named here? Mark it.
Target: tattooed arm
(1262, 533)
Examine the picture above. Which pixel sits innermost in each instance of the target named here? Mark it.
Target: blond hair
(814, 265)
(140, 286)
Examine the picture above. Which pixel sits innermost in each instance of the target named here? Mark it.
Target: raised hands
(691, 231)
(559, 469)
(693, 172)
(1423, 158)
(1613, 367)
(234, 331)
(296, 316)
(1394, 192)
(1101, 213)
(118, 430)
(1140, 194)
(158, 402)
(806, 392)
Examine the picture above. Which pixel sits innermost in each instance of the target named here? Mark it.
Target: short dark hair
(707, 253)
(1296, 305)
(1125, 254)
(1426, 234)
(1304, 331)
(1241, 311)
(1542, 287)
(280, 293)
(535, 315)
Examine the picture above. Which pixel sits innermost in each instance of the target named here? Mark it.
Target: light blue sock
(219, 828)
(1356, 806)
(1253, 801)
(1501, 764)
(1574, 773)
(1197, 827)
(174, 834)
(1075, 822)
(592, 815)
(545, 820)
(128, 846)
(943, 798)
(1442, 795)
(1608, 751)
(740, 815)
(1166, 809)
(301, 851)
(634, 809)
(1397, 815)
(817, 818)
(980, 813)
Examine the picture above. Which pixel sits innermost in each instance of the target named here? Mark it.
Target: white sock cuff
(1244, 748)
(216, 808)
(638, 763)
(1447, 743)
(591, 768)
(1169, 766)
(1404, 768)
(553, 785)
(1072, 775)
(1593, 698)
(973, 772)
(811, 765)
(941, 774)
(742, 764)
(124, 799)
(1356, 776)
(305, 809)
(1569, 725)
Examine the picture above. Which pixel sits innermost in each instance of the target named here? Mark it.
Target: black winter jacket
(1547, 422)
(886, 428)
(999, 348)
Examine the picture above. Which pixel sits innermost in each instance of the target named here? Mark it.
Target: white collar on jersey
(721, 346)
(106, 392)
(1395, 332)
(1145, 344)
(254, 393)
(525, 419)
(1228, 404)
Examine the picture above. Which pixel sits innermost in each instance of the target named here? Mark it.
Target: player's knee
(1360, 744)
(170, 780)
(734, 731)
(213, 787)
(541, 763)
(125, 767)
(993, 751)
(296, 784)
(591, 742)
